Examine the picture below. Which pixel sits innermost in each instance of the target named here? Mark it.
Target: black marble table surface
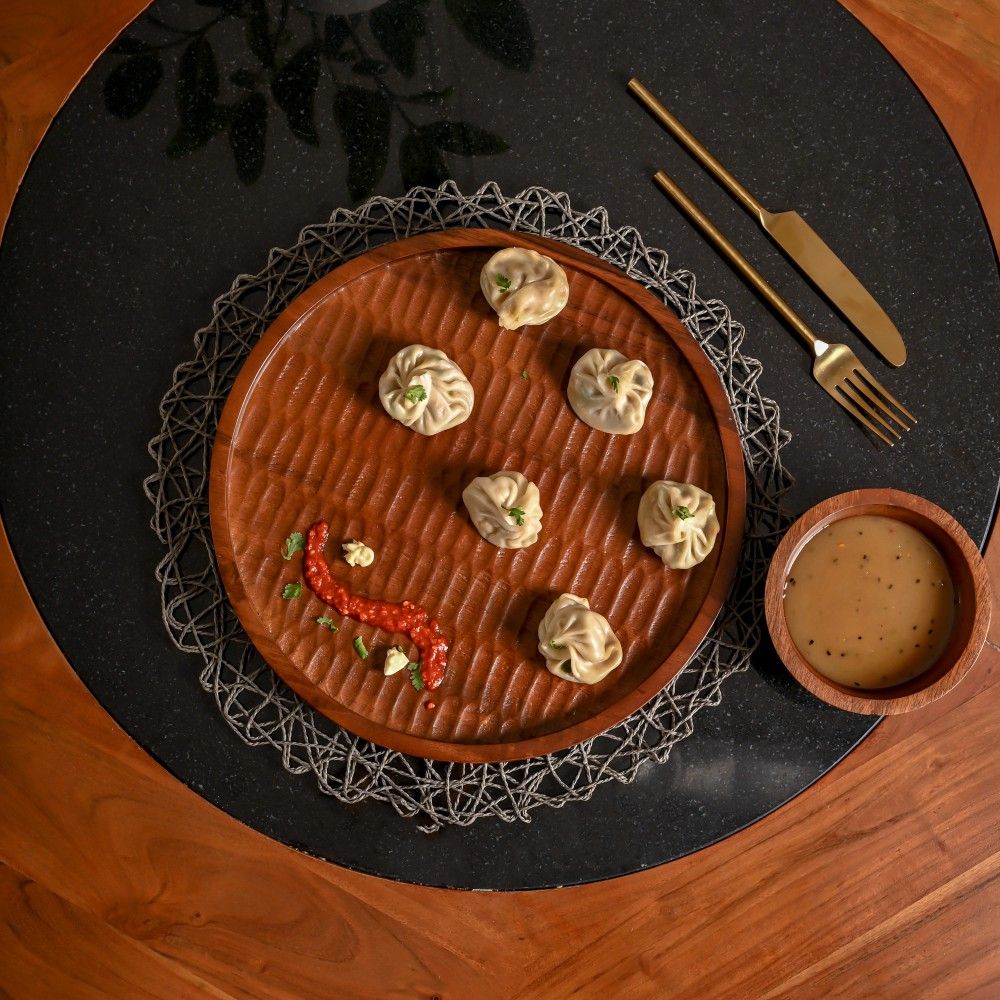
(216, 129)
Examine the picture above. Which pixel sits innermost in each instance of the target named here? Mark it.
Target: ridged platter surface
(303, 436)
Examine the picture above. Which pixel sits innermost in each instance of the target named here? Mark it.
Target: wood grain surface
(973, 595)
(310, 387)
(882, 880)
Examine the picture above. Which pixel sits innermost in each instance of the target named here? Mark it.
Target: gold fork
(835, 366)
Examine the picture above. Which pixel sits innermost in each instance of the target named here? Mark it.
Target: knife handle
(696, 149)
(745, 268)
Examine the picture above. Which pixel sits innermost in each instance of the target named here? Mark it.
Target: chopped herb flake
(327, 622)
(503, 282)
(524, 375)
(682, 513)
(556, 645)
(518, 514)
(295, 542)
(614, 381)
(359, 647)
(413, 669)
(291, 591)
(416, 393)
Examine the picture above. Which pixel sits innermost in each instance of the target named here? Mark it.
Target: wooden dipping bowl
(968, 574)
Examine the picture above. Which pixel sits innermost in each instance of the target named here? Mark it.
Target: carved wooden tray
(303, 436)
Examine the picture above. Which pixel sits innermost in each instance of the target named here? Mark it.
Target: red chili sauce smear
(406, 618)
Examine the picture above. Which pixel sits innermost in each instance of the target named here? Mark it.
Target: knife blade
(799, 241)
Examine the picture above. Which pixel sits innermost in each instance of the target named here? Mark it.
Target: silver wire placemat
(258, 705)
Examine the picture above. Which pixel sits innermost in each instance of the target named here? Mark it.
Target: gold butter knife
(835, 366)
(798, 240)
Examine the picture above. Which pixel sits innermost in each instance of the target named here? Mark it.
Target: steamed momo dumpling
(524, 287)
(577, 643)
(425, 390)
(609, 392)
(677, 521)
(505, 509)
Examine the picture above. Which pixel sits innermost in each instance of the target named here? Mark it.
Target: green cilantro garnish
(327, 622)
(503, 282)
(524, 375)
(291, 591)
(614, 381)
(416, 393)
(682, 512)
(295, 542)
(555, 645)
(415, 679)
(359, 647)
(518, 514)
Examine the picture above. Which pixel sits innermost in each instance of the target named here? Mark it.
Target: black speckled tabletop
(216, 129)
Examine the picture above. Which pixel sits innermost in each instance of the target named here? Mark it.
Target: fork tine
(864, 403)
(875, 404)
(848, 404)
(873, 383)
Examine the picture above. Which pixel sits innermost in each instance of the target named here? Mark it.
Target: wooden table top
(883, 879)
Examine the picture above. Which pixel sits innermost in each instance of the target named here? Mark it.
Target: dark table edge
(5, 535)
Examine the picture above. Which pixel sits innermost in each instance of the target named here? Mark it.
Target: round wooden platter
(303, 436)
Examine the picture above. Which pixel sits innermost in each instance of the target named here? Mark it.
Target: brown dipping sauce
(869, 602)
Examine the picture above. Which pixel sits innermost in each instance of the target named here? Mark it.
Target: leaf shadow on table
(317, 63)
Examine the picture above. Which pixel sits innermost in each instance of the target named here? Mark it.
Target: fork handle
(745, 268)
(696, 149)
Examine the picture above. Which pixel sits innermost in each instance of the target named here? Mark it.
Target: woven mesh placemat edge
(257, 705)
